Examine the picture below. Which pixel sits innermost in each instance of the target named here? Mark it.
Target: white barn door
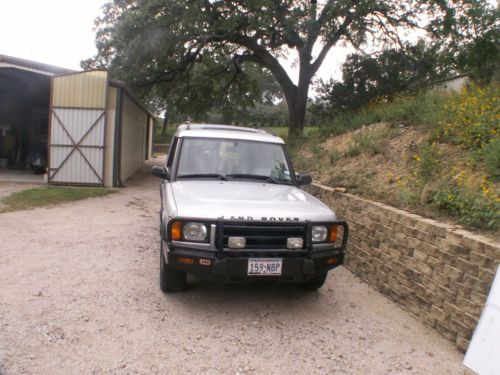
(77, 146)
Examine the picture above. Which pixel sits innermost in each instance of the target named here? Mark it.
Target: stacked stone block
(439, 273)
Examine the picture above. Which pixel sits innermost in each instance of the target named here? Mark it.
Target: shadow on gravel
(212, 297)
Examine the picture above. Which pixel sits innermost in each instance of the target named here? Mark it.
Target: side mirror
(304, 179)
(160, 172)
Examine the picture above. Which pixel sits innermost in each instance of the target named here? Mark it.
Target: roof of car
(226, 132)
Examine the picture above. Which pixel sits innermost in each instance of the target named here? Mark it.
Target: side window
(171, 153)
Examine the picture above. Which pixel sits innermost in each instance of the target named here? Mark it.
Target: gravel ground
(79, 295)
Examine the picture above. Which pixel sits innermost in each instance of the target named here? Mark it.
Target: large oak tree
(193, 49)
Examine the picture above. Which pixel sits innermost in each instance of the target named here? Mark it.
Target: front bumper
(215, 260)
(234, 268)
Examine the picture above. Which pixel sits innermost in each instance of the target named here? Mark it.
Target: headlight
(319, 233)
(194, 232)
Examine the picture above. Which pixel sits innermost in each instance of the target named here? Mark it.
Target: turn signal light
(331, 261)
(333, 233)
(186, 260)
(176, 231)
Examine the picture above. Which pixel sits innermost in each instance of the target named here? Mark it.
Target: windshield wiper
(256, 177)
(207, 175)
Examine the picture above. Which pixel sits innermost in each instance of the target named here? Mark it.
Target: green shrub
(367, 141)
(491, 157)
(334, 156)
(428, 162)
(469, 207)
(473, 117)
(346, 123)
(164, 139)
(423, 110)
(420, 110)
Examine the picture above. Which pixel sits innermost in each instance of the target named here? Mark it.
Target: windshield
(233, 159)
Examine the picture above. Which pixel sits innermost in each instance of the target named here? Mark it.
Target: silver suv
(232, 210)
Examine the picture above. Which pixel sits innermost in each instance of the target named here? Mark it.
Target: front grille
(263, 235)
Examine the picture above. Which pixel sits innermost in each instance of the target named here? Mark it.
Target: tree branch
(330, 43)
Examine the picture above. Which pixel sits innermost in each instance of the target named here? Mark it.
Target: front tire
(316, 282)
(170, 280)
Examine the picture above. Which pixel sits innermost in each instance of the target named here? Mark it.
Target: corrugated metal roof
(32, 66)
(51, 70)
(128, 90)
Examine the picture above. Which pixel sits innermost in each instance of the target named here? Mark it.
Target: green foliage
(48, 196)
(424, 109)
(383, 75)
(427, 163)
(473, 118)
(469, 207)
(365, 142)
(317, 150)
(345, 123)
(334, 156)
(164, 139)
(200, 54)
(474, 46)
(491, 157)
(261, 115)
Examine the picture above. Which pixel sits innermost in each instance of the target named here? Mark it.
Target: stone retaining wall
(440, 274)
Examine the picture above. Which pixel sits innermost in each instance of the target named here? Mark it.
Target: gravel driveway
(79, 295)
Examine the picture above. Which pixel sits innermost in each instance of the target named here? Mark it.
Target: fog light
(294, 243)
(236, 242)
(331, 261)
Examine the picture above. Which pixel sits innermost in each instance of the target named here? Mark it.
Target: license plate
(264, 266)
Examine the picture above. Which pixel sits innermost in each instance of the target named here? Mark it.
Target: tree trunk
(296, 115)
(165, 125)
(297, 101)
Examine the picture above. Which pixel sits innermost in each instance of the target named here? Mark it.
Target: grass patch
(282, 131)
(164, 139)
(420, 110)
(492, 158)
(48, 196)
(366, 142)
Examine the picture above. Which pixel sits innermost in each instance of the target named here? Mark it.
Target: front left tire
(171, 280)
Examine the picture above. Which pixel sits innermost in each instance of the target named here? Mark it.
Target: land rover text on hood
(232, 209)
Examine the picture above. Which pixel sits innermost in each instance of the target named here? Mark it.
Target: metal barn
(96, 132)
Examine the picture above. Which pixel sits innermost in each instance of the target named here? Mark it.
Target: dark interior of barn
(24, 120)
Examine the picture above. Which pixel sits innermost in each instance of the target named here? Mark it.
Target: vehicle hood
(247, 201)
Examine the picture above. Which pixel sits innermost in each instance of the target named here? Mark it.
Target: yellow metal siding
(81, 90)
(133, 142)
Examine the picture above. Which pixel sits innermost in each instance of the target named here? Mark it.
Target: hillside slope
(421, 168)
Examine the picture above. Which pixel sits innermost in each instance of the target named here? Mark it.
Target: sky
(60, 33)
(56, 32)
